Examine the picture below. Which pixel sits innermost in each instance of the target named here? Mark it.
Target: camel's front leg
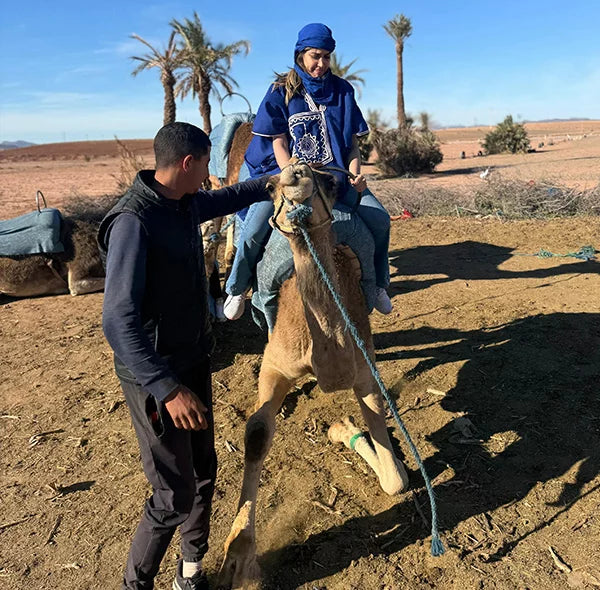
(388, 468)
(240, 566)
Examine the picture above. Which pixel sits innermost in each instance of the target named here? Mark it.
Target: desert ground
(491, 352)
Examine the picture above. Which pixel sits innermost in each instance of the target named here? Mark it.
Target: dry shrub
(129, 166)
(89, 209)
(497, 197)
(421, 202)
(406, 151)
(541, 200)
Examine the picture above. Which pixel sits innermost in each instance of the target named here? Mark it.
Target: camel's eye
(270, 187)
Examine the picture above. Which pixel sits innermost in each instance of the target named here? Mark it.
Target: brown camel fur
(310, 338)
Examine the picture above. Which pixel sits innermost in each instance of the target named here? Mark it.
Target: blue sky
(65, 72)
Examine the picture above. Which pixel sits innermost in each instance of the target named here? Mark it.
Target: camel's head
(299, 184)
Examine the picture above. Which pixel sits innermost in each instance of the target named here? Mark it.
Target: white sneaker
(383, 303)
(219, 314)
(234, 306)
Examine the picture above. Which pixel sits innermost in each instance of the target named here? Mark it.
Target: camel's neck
(323, 317)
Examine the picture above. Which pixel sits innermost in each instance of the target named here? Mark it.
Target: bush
(129, 165)
(376, 124)
(406, 151)
(508, 136)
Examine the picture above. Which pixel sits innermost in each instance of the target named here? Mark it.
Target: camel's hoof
(342, 432)
(240, 568)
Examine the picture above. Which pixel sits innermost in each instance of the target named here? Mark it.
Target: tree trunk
(169, 110)
(400, 86)
(204, 87)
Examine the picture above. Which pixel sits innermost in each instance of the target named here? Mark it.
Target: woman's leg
(250, 248)
(377, 219)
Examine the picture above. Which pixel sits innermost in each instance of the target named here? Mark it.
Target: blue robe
(316, 133)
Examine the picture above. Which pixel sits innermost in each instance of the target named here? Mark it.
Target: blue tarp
(38, 232)
(221, 138)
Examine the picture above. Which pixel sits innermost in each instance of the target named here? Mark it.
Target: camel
(78, 270)
(310, 338)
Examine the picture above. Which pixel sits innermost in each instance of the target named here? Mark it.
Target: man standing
(155, 317)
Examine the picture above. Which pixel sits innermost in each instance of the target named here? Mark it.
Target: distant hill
(11, 145)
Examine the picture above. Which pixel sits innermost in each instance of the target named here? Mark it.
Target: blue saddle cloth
(221, 137)
(38, 232)
(277, 265)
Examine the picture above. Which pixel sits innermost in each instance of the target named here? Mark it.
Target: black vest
(175, 306)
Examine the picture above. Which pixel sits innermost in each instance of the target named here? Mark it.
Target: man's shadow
(530, 390)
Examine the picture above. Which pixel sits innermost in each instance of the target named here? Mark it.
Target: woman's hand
(359, 182)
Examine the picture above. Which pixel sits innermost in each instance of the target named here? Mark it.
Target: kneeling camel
(310, 338)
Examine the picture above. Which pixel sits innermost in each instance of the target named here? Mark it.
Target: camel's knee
(258, 438)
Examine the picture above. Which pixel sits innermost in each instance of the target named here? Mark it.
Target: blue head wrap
(318, 36)
(314, 35)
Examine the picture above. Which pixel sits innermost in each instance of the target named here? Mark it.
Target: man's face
(198, 172)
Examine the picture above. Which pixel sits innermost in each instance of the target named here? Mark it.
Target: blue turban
(314, 35)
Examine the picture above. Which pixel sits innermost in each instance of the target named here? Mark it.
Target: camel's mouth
(300, 201)
(296, 183)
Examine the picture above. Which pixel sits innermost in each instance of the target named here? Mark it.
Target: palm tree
(167, 62)
(399, 29)
(207, 65)
(343, 71)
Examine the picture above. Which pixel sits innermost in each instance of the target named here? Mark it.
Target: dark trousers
(181, 466)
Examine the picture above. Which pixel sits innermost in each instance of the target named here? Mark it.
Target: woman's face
(316, 61)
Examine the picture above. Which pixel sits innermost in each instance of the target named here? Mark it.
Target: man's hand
(359, 182)
(186, 410)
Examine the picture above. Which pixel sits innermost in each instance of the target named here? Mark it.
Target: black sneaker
(196, 582)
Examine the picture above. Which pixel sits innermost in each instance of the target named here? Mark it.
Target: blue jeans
(256, 232)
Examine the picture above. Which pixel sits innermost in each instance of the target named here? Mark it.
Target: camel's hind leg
(381, 458)
(239, 565)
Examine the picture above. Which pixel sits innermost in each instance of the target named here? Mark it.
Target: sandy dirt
(481, 329)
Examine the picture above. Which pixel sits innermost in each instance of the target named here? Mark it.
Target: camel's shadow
(535, 378)
(466, 261)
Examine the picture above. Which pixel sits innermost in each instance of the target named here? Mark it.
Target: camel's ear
(329, 184)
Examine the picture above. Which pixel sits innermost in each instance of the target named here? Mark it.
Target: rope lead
(300, 213)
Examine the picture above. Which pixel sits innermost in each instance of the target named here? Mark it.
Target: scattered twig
(327, 509)
(70, 566)
(435, 391)
(113, 406)
(332, 497)
(10, 417)
(36, 439)
(559, 563)
(7, 525)
(420, 510)
(230, 447)
(395, 537)
(53, 531)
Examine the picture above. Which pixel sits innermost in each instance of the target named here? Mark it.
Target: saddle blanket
(221, 137)
(277, 265)
(38, 232)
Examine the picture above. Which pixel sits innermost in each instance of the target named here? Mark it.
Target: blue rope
(585, 253)
(301, 213)
(216, 235)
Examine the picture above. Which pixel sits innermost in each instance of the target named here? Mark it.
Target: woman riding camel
(311, 114)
